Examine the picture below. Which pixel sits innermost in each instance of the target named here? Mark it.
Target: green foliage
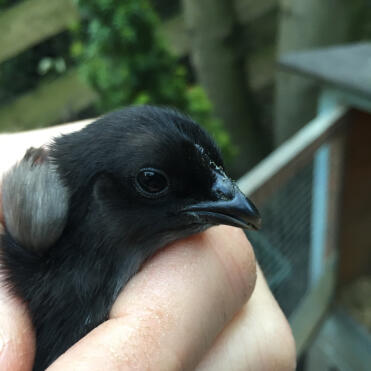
(124, 59)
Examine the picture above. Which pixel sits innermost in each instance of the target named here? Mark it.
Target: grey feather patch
(34, 201)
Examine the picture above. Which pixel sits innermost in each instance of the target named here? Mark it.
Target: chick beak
(228, 206)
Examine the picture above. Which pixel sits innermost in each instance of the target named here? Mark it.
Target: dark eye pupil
(152, 181)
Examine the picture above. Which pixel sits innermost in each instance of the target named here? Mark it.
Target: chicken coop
(315, 199)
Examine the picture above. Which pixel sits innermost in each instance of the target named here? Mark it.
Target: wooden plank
(177, 38)
(174, 32)
(51, 102)
(260, 68)
(354, 240)
(264, 178)
(309, 313)
(262, 31)
(249, 10)
(344, 67)
(319, 217)
(335, 188)
(32, 21)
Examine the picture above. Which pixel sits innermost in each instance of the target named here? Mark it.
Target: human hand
(187, 308)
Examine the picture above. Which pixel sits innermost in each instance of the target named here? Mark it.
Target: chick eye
(151, 182)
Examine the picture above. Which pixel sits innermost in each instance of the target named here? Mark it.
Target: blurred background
(284, 86)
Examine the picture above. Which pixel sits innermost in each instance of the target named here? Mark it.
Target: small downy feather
(34, 201)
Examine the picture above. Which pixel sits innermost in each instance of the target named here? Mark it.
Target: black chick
(83, 215)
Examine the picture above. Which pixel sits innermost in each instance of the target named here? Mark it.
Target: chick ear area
(34, 202)
(106, 189)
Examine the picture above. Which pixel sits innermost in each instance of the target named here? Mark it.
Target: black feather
(110, 229)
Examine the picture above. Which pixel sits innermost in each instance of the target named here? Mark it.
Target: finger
(258, 338)
(17, 342)
(171, 312)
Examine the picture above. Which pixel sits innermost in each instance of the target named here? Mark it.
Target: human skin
(200, 303)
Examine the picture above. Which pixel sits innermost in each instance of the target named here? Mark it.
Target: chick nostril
(222, 196)
(223, 190)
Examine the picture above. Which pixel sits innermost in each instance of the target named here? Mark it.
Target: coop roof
(344, 67)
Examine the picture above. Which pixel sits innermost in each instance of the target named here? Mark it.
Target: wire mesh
(282, 246)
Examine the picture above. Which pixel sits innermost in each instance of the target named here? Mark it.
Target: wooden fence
(22, 27)
(33, 21)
